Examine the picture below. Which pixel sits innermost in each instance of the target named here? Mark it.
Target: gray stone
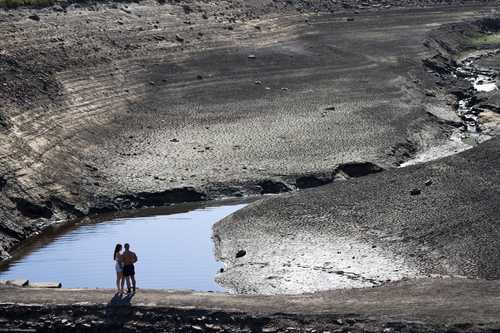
(18, 283)
(45, 284)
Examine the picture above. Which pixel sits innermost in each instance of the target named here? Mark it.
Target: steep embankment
(113, 106)
(438, 218)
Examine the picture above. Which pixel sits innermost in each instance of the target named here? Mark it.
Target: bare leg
(133, 281)
(122, 283)
(127, 279)
(119, 281)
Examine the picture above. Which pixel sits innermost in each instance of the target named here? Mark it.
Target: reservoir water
(173, 244)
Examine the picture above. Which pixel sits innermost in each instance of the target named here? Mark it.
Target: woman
(117, 257)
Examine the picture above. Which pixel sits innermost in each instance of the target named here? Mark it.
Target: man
(129, 258)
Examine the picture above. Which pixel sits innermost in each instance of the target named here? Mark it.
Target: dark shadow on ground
(118, 312)
(121, 299)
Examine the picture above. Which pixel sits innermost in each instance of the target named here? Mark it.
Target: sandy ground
(418, 306)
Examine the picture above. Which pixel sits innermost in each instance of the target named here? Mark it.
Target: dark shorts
(128, 270)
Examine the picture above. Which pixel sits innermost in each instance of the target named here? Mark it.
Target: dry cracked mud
(112, 106)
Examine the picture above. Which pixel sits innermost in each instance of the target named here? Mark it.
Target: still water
(174, 247)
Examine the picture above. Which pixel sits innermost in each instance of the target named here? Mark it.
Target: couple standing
(124, 266)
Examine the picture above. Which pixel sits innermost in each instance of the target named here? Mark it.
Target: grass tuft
(492, 39)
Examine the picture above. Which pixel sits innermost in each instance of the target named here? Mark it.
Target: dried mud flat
(113, 106)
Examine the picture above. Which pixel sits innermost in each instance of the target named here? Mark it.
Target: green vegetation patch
(486, 40)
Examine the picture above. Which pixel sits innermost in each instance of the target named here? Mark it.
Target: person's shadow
(121, 299)
(119, 309)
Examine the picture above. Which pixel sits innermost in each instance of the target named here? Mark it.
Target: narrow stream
(483, 80)
(173, 244)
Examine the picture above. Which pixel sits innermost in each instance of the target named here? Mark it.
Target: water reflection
(174, 250)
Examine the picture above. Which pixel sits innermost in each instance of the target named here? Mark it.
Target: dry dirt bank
(438, 218)
(431, 219)
(108, 107)
(418, 306)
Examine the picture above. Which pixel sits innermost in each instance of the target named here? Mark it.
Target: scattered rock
(18, 283)
(174, 140)
(34, 17)
(271, 186)
(252, 56)
(269, 330)
(430, 93)
(187, 9)
(415, 191)
(3, 182)
(428, 182)
(57, 8)
(358, 169)
(312, 181)
(45, 284)
(179, 38)
(241, 253)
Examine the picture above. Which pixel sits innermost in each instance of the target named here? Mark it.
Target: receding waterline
(174, 247)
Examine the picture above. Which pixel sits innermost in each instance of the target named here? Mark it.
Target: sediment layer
(110, 107)
(438, 218)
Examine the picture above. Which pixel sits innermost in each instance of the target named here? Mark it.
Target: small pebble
(415, 191)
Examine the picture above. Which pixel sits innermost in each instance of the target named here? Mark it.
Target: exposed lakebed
(173, 244)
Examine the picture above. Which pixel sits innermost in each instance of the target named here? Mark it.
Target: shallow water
(174, 247)
(484, 83)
